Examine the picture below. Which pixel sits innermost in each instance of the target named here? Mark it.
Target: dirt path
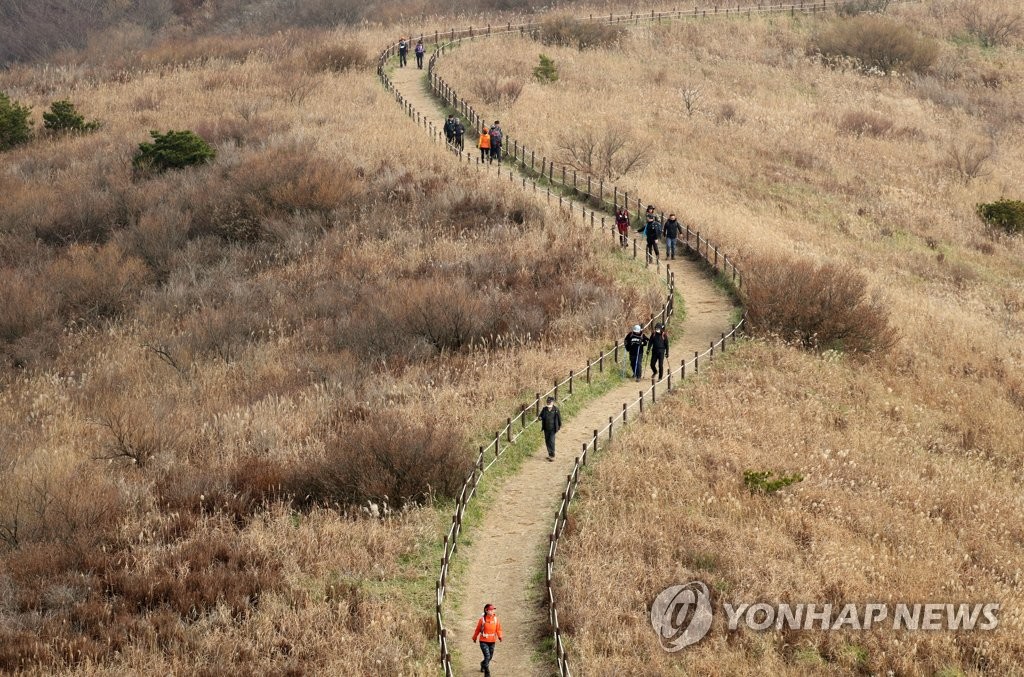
(507, 551)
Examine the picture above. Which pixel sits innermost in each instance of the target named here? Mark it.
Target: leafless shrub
(876, 43)
(819, 307)
(727, 112)
(496, 90)
(992, 25)
(338, 58)
(691, 95)
(855, 7)
(968, 157)
(865, 123)
(386, 457)
(607, 152)
(567, 31)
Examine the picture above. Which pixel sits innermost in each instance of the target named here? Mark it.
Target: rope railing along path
(598, 200)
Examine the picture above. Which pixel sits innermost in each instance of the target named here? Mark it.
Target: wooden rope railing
(529, 175)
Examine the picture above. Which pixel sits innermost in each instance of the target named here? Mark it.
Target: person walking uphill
(672, 229)
(550, 423)
(403, 49)
(488, 631)
(659, 351)
(622, 225)
(652, 229)
(484, 144)
(496, 136)
(634, 343)
(420, 51)
(460, 132)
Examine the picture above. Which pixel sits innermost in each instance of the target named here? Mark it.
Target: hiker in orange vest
(488, 630)
(484, 145)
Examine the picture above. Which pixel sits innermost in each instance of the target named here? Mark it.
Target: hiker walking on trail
(652, 229)
(403, 49)
(672, 229)
(488, 630)
(484, 144)
(622, 225)
(460, 133)
(550, 423)
(634, 343)
(420, 51)
(496, 137)
(659, 351)
(449, 129)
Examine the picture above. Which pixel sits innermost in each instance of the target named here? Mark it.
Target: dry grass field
(211, 377)
(911, 457)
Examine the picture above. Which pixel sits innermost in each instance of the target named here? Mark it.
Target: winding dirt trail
(506, 553)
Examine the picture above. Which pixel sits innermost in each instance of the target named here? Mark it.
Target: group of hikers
(653, 230)
(488, 627)
(489, 142)
(403, 51)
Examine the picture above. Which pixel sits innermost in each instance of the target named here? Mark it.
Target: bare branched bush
(968, 157)
(876, 43)
(865, 123)
(496, 90)
(855, 7)
(608, 151)
(691, 96)
(992, 25)
(567, 31)
(818, 307)
(386, 457)
(338, 58)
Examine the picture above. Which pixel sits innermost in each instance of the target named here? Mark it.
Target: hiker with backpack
(622, 225)
(460, 133)
(403, 49)
(484, 144)
(488, 631)
(672, 229)
(420, 51)
(659, 351)
(652, 229)
(496, 137)
(634, 344)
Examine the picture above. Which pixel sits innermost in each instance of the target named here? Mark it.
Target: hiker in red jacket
(622, 225)
(488, 630)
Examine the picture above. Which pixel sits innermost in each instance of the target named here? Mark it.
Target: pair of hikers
(490, 142)
(653, 230)
(403, 50)
(635, 343)
(454, 132)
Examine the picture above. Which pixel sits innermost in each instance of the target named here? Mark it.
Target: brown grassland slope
(210, 378)
(911, 456)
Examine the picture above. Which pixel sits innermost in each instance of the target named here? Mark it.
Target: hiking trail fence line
(606, 200)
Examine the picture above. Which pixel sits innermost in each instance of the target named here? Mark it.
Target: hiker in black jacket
(634, 344)
(550, 423)
(652, 229)
(659, 351)
(672, 229)
(460, 132)
(449, 129)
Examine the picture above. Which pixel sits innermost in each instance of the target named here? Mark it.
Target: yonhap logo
(681, 615)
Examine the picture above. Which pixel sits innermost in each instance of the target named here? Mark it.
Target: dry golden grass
(193, 364)
(911, 460)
